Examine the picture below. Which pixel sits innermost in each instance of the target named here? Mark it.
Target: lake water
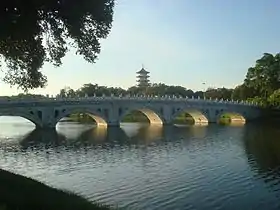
(195, 167)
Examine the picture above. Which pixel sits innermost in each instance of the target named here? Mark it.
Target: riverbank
(21, 193)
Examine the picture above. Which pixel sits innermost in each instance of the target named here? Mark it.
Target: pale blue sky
(181, 42)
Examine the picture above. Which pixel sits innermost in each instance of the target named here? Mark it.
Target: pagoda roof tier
(143, 80)
(143, 76)
(142, 71)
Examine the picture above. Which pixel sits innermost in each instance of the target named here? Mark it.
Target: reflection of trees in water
(262, 146)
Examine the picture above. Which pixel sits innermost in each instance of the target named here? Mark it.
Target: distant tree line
(261, 85)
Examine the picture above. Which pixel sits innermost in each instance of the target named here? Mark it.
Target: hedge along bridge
(109, 111)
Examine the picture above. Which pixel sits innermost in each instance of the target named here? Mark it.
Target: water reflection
(42, 138)
(91, 136)
(150, 133)
(151, 167)
(262, 146)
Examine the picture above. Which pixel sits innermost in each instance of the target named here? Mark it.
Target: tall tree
(264, 76)
(37, 31)
(243, 92)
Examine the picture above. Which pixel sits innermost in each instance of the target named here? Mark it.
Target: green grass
(22, 193)
(226, 119)
(183, 120)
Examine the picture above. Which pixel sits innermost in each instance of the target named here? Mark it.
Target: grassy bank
(183, 120)
(230, 118)
(21, 193)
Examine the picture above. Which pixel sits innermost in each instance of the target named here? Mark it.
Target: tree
(242, 92)
(62, 93)
(218, 93)
(37, 31)
(87, 89)
(67, 92)
(274, 99)
(264, 76)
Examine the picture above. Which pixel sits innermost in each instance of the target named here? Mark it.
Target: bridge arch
(230, 117)
(197, 115)
(99, 118)
(28, 115)
(153, 116)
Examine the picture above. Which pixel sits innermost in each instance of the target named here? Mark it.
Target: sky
(180, 42)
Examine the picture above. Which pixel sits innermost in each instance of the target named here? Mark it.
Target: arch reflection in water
(93, 135)
(148, 134)
(112, 136)
(179, 132)
(198, 131)
(43, 137)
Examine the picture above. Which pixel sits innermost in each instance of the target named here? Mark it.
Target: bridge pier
(46, 126)
(113, 124)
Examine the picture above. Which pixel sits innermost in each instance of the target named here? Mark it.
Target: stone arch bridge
(109, 111)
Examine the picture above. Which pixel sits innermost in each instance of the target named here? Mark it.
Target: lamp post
(204, 90)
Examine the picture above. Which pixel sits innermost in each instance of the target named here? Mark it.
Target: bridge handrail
(128, 97)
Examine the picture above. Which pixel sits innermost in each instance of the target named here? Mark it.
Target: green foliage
(219, 93)
(37, 31)
(158, 90)
(243, 92)
(259, 100)
(264, 76)
(274, 99)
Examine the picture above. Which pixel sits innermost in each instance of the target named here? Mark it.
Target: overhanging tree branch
(37, 31)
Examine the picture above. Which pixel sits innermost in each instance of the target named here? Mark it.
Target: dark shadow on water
(45, 138)
(262, 147)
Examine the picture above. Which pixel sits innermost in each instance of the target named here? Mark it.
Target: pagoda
(143, 78)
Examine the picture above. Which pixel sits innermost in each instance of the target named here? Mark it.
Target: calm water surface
(207, 167)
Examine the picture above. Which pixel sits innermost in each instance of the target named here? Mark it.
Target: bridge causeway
(109, 111)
